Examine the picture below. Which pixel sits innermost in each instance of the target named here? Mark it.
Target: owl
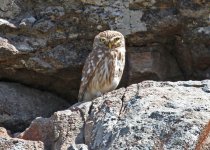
(104, 66)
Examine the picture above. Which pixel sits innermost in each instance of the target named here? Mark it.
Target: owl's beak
(110, 45)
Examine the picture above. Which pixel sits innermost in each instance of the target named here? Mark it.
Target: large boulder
(49, 41)
(148, 115)
(19, 105)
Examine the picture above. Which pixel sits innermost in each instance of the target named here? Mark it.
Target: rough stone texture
(41, 129)
(149, 115)
(46, 42)
(63, 130)
(19, 105)
(204, 139)
(7, 51)
(18, 144)
(4, 133)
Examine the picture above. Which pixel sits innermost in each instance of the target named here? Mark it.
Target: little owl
(104, 66)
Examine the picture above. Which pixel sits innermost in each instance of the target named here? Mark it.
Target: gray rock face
(9, 9)
(152, 115)
(148, 115)
(19, 105)
(166, 40)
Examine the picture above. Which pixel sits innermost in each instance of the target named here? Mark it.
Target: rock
(44, 26)
(165, 40)
(19, 105)
(13, 144)
(54, 59)
(5, 23)
(52, 12)
(195, 60)
(9, 9)
(153, 65)
(4, 133)
(7, 50)
(204, 139)
(63, 130)
(27, 22)
(41, 129)
(78, 147)
(26, 44)
(44, 44)
(148, 115)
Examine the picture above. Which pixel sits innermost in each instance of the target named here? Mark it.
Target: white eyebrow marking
(115, 37)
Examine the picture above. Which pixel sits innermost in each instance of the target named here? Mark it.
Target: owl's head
(109, 39)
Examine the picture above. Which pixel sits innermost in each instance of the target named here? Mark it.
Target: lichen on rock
(152, 115)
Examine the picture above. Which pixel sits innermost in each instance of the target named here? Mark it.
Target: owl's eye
(102, 40)
(116, 39)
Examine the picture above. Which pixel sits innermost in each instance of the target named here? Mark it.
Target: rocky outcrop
(19, 105)
(44, 43)
(148, 115)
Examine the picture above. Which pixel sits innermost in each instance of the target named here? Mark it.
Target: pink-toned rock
(63, 130)
(41, 129)
(204, 138)
(153, 64)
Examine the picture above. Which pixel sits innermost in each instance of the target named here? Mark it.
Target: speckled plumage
(104, 66)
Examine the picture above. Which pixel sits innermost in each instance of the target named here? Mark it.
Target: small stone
(7, 50)
(27, 22)
(44, 26)
(4, 22)
(4, 133)
(99, 27)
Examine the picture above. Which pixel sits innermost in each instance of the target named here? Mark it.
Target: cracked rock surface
(148, 115)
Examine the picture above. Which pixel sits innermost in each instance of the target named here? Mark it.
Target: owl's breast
(119, 64)
(109, 72)
(114, 66)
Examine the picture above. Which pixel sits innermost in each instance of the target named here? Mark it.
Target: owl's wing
(91, 63)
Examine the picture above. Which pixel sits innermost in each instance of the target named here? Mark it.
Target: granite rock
(148, 115)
